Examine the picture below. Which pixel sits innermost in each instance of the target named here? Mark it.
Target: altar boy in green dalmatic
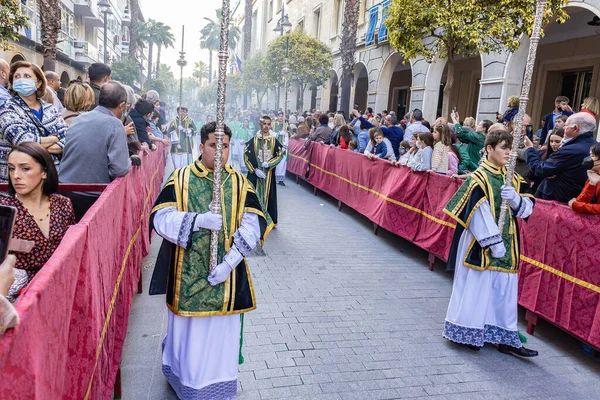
(202, 346)
(483, 305)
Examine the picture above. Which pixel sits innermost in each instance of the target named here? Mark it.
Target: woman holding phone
(43, 216)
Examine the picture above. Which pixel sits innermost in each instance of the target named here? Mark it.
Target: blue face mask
(24, 87)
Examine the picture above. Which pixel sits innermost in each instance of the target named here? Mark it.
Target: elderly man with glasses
(563, 172)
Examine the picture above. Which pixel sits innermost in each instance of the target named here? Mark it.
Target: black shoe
(516, 351)
(471, 347)
(282, 183)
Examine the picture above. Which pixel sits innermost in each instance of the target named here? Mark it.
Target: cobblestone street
(345, 314)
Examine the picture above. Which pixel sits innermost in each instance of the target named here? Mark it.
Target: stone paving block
(286, 381)
(268, 373)
(275, 393)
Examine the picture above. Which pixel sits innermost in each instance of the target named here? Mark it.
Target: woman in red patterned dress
(42, 215)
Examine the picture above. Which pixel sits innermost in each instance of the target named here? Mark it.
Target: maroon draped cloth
(559, 276)
(74, 312)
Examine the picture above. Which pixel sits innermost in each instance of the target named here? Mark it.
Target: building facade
(568, 63)
(81, 40)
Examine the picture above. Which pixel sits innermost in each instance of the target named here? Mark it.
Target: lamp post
(182, 63)
(285, 71)
(104, 7)
(282, 24)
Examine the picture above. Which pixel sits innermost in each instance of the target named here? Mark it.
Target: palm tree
(148, 34)
(50, 23)
(133, 30)
(210, 38)
(348, 49)
(200, 71)
(165, 38)
(247, 28)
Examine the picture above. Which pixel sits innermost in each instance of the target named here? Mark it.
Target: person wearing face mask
(25, 117)
(588, 202)
(96, 147)
(4, 93)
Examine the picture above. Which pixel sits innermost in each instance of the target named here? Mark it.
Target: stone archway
(333, 92)
(361, 86)
(18, 57)
(384, 81)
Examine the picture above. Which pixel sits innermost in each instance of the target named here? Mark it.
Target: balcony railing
(65, 44)
(85, 52)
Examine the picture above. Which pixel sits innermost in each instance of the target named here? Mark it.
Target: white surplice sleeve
(483, 226)
(525, 208)
(175, 226)
(244, 240)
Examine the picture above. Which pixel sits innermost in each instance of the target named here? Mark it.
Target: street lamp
(104, 7)
(282, 24)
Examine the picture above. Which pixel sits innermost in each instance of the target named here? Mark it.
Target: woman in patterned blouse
(42, 215)
(26, 117)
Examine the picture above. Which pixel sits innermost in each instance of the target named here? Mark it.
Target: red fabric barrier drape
(74, 313)
(296, 163)
(559, 278)
(436, 228)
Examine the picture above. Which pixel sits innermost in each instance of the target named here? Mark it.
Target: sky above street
(190, 13)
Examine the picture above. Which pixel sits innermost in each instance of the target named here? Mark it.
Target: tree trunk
(302, 87)
(209, 66)
(133, 30)
(448, 87)
(50, 24)
(247, 28)
(150, 48)
(157, 60)
(347, 51)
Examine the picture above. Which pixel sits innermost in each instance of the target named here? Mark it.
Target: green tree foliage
(210, 38)
(450, 28)
(310, 61)
(200, 71)
(165, 82)
(253, 77)
(208, 94)
(127, 72)
(11, 22)
(164, 38)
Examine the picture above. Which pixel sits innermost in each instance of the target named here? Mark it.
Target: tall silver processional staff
(535, 39)
(215, 206)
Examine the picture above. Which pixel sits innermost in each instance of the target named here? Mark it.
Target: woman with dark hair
(43, 216)
(26, 117)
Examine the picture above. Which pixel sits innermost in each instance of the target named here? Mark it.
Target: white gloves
(260, 174)
(180, 128)
(210, 221)
(265, 164)
(498, 250)
(509, 193)
(219, 274)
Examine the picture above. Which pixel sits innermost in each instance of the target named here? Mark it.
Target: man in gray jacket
(96, 147)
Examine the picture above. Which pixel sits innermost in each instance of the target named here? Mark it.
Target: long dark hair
(549, 151)
(42, 157)
(344, 132)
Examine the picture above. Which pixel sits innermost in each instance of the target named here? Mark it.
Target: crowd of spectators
(561, 161)
(90, 132)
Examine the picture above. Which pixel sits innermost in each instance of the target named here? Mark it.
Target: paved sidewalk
(344, 314)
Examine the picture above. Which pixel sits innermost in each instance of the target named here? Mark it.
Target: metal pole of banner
(512, 162)
(215, 206)
(182, 63)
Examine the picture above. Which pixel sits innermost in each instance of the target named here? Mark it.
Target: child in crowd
(588, 200)
(443, 141)
(353, 146)
(379, 149)
(454, 160)
(421, 161)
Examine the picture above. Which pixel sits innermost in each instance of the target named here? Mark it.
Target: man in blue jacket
(394, 133)
(561, 107)
(563, 173)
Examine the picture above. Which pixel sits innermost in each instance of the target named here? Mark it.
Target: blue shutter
(373, 17)
(383, 32)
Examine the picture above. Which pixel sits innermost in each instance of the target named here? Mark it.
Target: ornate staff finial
(215, 206)
(535, 39)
